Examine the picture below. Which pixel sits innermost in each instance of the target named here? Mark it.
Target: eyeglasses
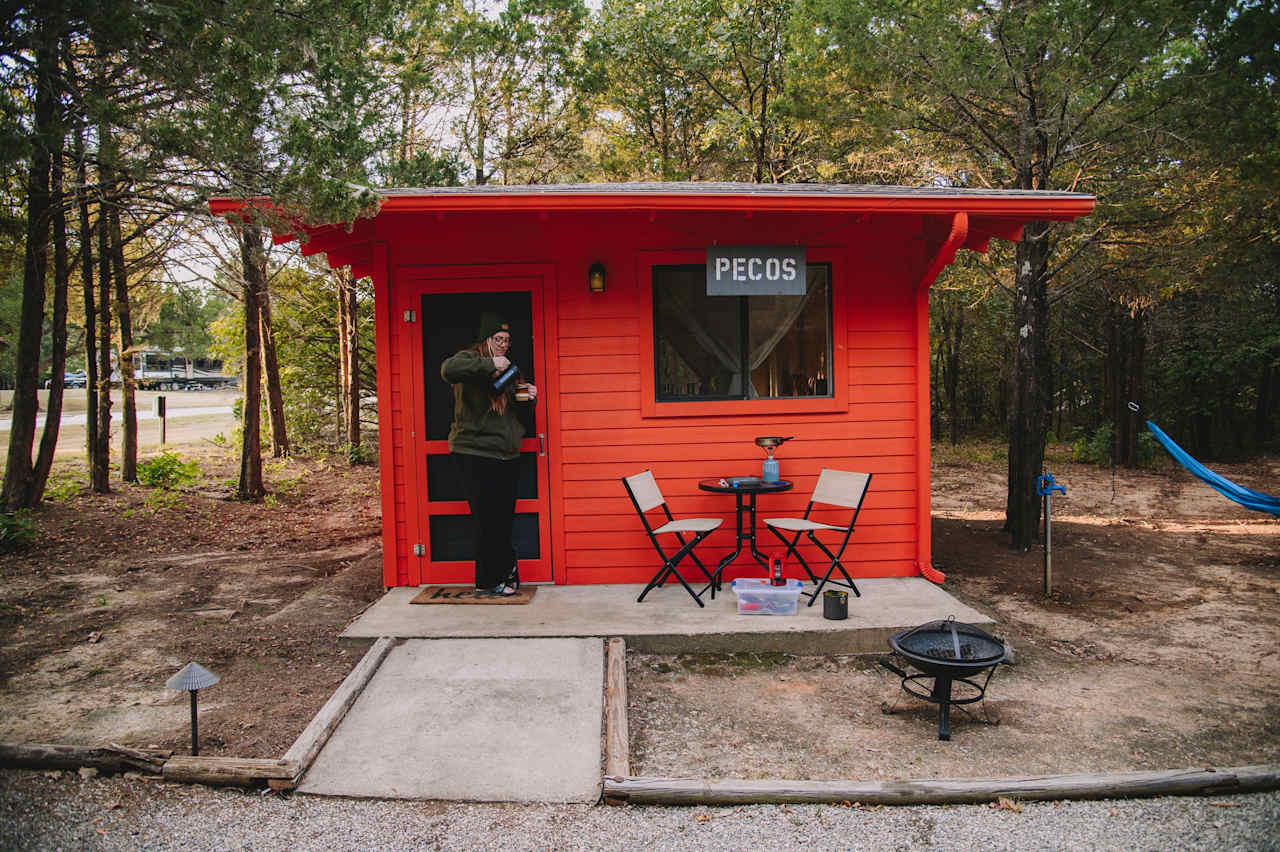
(502, 338)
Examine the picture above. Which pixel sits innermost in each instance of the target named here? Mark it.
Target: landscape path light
(192, 678)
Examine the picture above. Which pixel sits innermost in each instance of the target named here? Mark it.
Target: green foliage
(164, 498)
(17, 530)
(1096, 447)
(359, 454)
(62, 488)
(168, 471)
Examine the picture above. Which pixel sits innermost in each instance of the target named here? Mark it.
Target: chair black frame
(835, 557)
(669, 563)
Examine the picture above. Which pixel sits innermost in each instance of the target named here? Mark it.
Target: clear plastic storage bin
(757, 597)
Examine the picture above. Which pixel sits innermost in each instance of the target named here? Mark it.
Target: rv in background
(155, 369)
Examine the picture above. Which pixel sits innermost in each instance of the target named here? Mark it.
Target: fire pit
(948, 652)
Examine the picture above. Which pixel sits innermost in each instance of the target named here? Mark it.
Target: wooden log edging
(279, 773)
(110, 758)
(1087, 785)
(308, 744)
(617, 733)
(227, 771)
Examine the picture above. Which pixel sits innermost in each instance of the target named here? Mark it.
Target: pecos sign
(755, 271)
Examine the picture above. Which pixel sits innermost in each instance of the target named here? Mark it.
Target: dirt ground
(120, 591)
(1157, 650)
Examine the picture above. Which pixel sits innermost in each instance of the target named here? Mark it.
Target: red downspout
(924, 536)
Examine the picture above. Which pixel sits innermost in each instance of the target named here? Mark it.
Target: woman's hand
(532, 390)
(500, 363)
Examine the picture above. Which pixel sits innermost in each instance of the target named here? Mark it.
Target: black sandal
(513, 579)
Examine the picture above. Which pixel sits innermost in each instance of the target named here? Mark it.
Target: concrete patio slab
(482, 720)
(668, 621)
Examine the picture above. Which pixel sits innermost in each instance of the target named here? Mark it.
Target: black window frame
(744, 344)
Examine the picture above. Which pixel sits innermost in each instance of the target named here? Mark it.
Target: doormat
(467, 595)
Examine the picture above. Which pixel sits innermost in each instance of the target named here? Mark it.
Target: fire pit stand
(947, 653)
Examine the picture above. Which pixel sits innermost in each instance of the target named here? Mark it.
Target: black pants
(490, 488)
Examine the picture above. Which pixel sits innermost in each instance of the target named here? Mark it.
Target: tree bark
(102, 453)
(1032, 386)
(271, 367)
(128, 384)
(97, 472)
(17, 491)
(350, 354)
(58, 332)
(253, 261)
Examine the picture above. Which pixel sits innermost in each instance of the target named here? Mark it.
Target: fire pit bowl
(947, 652)
(949, 648)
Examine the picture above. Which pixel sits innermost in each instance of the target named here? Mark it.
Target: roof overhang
(960, 218)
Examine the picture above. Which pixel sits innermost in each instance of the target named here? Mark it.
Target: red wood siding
(600, 349)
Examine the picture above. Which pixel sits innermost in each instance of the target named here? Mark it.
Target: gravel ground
(60, 810)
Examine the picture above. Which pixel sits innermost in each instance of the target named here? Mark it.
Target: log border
(278, 773)
(617, 736)
(955, 791)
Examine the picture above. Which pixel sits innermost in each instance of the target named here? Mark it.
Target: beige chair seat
(689, 525)
(799, 524)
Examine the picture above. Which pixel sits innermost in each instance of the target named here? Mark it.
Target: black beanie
(491, 324)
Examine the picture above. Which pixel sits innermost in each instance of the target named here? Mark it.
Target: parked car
(74, 380)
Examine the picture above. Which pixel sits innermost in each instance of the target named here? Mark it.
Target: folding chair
(643, 491)
(834, 488)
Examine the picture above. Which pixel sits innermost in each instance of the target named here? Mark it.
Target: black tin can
(835, 604)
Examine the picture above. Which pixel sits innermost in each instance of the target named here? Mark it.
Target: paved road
(116, 416)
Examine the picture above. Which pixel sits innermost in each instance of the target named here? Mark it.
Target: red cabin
(606, 288)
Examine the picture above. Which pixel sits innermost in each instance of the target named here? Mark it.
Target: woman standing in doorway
(484, 440)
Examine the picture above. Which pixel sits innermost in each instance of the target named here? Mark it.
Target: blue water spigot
(1045, 485)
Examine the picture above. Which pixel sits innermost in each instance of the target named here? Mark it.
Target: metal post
(1046, 486)
(195, 735)
(1048, 545)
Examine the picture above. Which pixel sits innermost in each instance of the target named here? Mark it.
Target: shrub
(62, 487)
(1096, 448)
(359, 453)
(168, 470)
(17, 530)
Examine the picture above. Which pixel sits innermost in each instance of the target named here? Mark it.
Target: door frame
(412, 282)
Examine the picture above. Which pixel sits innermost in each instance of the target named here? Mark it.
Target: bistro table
(745, 489)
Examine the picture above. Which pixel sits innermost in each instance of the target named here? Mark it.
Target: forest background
(121, 118)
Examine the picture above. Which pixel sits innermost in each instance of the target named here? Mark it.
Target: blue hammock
(1246, 497)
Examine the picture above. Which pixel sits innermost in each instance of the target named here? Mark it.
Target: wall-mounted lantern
(595, 277)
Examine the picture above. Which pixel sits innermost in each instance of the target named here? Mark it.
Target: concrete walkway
(504, 703)
(481, 720)
(668, 621)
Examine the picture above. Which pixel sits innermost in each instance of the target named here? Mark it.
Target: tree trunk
(1135, 386)
(58, 359)
(128, 384)
(1262, 429)
(102, 453)
(271, 367)
(97, 472)
(350, 353)
(1032, 386)
(253, 260)
(17, 491)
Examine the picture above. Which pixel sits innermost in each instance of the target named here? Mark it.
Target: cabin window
(704, 345)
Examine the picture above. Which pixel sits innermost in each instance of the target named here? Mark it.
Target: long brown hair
(498, 399)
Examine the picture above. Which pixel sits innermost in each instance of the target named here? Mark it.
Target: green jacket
(477, 429)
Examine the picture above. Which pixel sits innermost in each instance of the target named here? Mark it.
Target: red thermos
(775, 571)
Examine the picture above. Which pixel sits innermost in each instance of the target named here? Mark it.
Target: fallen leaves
(1006, 804)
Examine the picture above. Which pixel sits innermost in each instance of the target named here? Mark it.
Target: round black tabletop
(745, 485)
